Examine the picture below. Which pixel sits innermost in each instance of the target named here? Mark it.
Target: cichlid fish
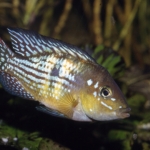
(66, 80)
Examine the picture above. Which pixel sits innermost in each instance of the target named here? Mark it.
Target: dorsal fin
(28, 43)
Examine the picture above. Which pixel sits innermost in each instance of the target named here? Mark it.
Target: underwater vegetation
(117, 34)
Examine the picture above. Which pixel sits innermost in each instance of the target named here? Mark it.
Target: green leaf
(109, 60)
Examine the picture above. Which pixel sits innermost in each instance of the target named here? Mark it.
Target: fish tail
(5, 54)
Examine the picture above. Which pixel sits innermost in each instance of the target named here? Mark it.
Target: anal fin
(50, 111)
(13, 86)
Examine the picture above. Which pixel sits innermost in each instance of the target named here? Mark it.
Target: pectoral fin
(61, 107)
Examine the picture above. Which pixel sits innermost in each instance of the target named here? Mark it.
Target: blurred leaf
(47, 144)
(109, 59)
(122, 136)
(29, 8)
(118, 135)
(31, 143)
(18, 138)
(136, 102)
(98, 49)
(145, 146)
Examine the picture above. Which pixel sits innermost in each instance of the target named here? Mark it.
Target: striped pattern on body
(46, 67)
(46, 76)
(47, 70)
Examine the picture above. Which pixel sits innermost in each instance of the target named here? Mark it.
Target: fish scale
(64, 79)
(42, 73)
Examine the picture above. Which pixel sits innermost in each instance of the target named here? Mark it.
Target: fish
(65, 80)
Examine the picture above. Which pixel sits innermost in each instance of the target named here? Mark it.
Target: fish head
(102, 98)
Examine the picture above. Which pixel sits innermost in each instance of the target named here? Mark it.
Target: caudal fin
(5, 54)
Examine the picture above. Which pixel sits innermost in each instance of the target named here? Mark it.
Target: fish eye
(105, 92)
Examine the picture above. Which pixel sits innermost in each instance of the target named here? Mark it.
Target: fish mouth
(123, 112)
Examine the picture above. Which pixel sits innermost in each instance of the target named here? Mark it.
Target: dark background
(120, 26)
